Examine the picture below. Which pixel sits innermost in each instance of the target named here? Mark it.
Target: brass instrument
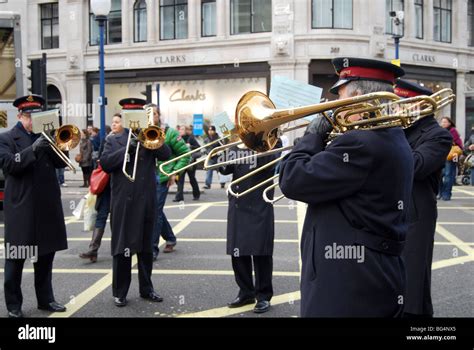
(258, 121)
(66, 138)
(152, 137)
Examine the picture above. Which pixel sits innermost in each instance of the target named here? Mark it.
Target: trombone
(152, 137)
(258, 121)
(66, 138)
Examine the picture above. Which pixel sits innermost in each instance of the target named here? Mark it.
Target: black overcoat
(357, 190)
(431, 145)
(132, 212)
(32, 204)
(250, 220)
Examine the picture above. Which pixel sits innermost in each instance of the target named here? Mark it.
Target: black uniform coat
(32, 204)
(132, 212)
(431, 145)
(356, 189)
(250, 220)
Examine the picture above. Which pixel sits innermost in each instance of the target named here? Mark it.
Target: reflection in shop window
(49, 26)
(113, 26)
(250, 16)
(332, 14)
(139, 21)
(173, 19)
(390, 6)
(208, 13)
(442, 20)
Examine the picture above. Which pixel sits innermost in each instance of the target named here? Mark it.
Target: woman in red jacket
(450, 169)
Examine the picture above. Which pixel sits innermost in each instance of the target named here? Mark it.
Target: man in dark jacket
(356, 189)
(430, 144)
(132, 214)
(33, 212)
(250, 232)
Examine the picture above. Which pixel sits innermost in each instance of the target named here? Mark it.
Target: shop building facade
(203, 55)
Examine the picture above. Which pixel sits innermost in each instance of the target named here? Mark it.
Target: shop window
(419, 19)
(250, 16)
(332, 14)
(139, 21)
(208, 18)
(442, 15)
(49, 26)
(113, 26)
(173, 19)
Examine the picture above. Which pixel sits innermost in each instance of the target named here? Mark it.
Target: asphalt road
(197, 279)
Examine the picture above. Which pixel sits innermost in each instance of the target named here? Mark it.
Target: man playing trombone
(33, 211)
(431, 144)
(133, 203)
(357, 189)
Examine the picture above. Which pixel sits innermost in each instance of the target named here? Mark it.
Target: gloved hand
(40, 144)
(320, 126)
(133, 145)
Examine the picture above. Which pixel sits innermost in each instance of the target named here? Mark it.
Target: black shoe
(207, 187)
(120, 301)
(53, 307)
(222, 185)
(15, 314)
(261, 307)
(152, 296)
(178, 200)
(195, 198)
(239, 302)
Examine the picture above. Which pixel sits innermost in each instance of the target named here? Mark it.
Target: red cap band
(28, 104)
(132, 106)
(367, 73)
(405, 93)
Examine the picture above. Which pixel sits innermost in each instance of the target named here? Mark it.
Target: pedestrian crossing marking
(162, 272)
(289, 298)
(94, 290)
(455, 240)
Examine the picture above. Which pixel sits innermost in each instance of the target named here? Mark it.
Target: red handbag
(99, 179)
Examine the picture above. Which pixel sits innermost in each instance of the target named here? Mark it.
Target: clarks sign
(424, 58)
(172, 59)
(183, 95)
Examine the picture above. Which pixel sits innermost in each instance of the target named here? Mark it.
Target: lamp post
(101, 9)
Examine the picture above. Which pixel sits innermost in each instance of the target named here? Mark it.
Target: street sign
(198, 123)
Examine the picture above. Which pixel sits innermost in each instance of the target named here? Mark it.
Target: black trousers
(122, 274)
(263, 267)
(194, 184)
(43, 281)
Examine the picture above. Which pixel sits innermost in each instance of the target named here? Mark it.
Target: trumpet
(66, 138)
(152, 137)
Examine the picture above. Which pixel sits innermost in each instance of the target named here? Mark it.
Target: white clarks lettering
(37, 333)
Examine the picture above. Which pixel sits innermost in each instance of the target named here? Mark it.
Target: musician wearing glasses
(430, 144)
(133, 203)
(358, 192)
(34, 219)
